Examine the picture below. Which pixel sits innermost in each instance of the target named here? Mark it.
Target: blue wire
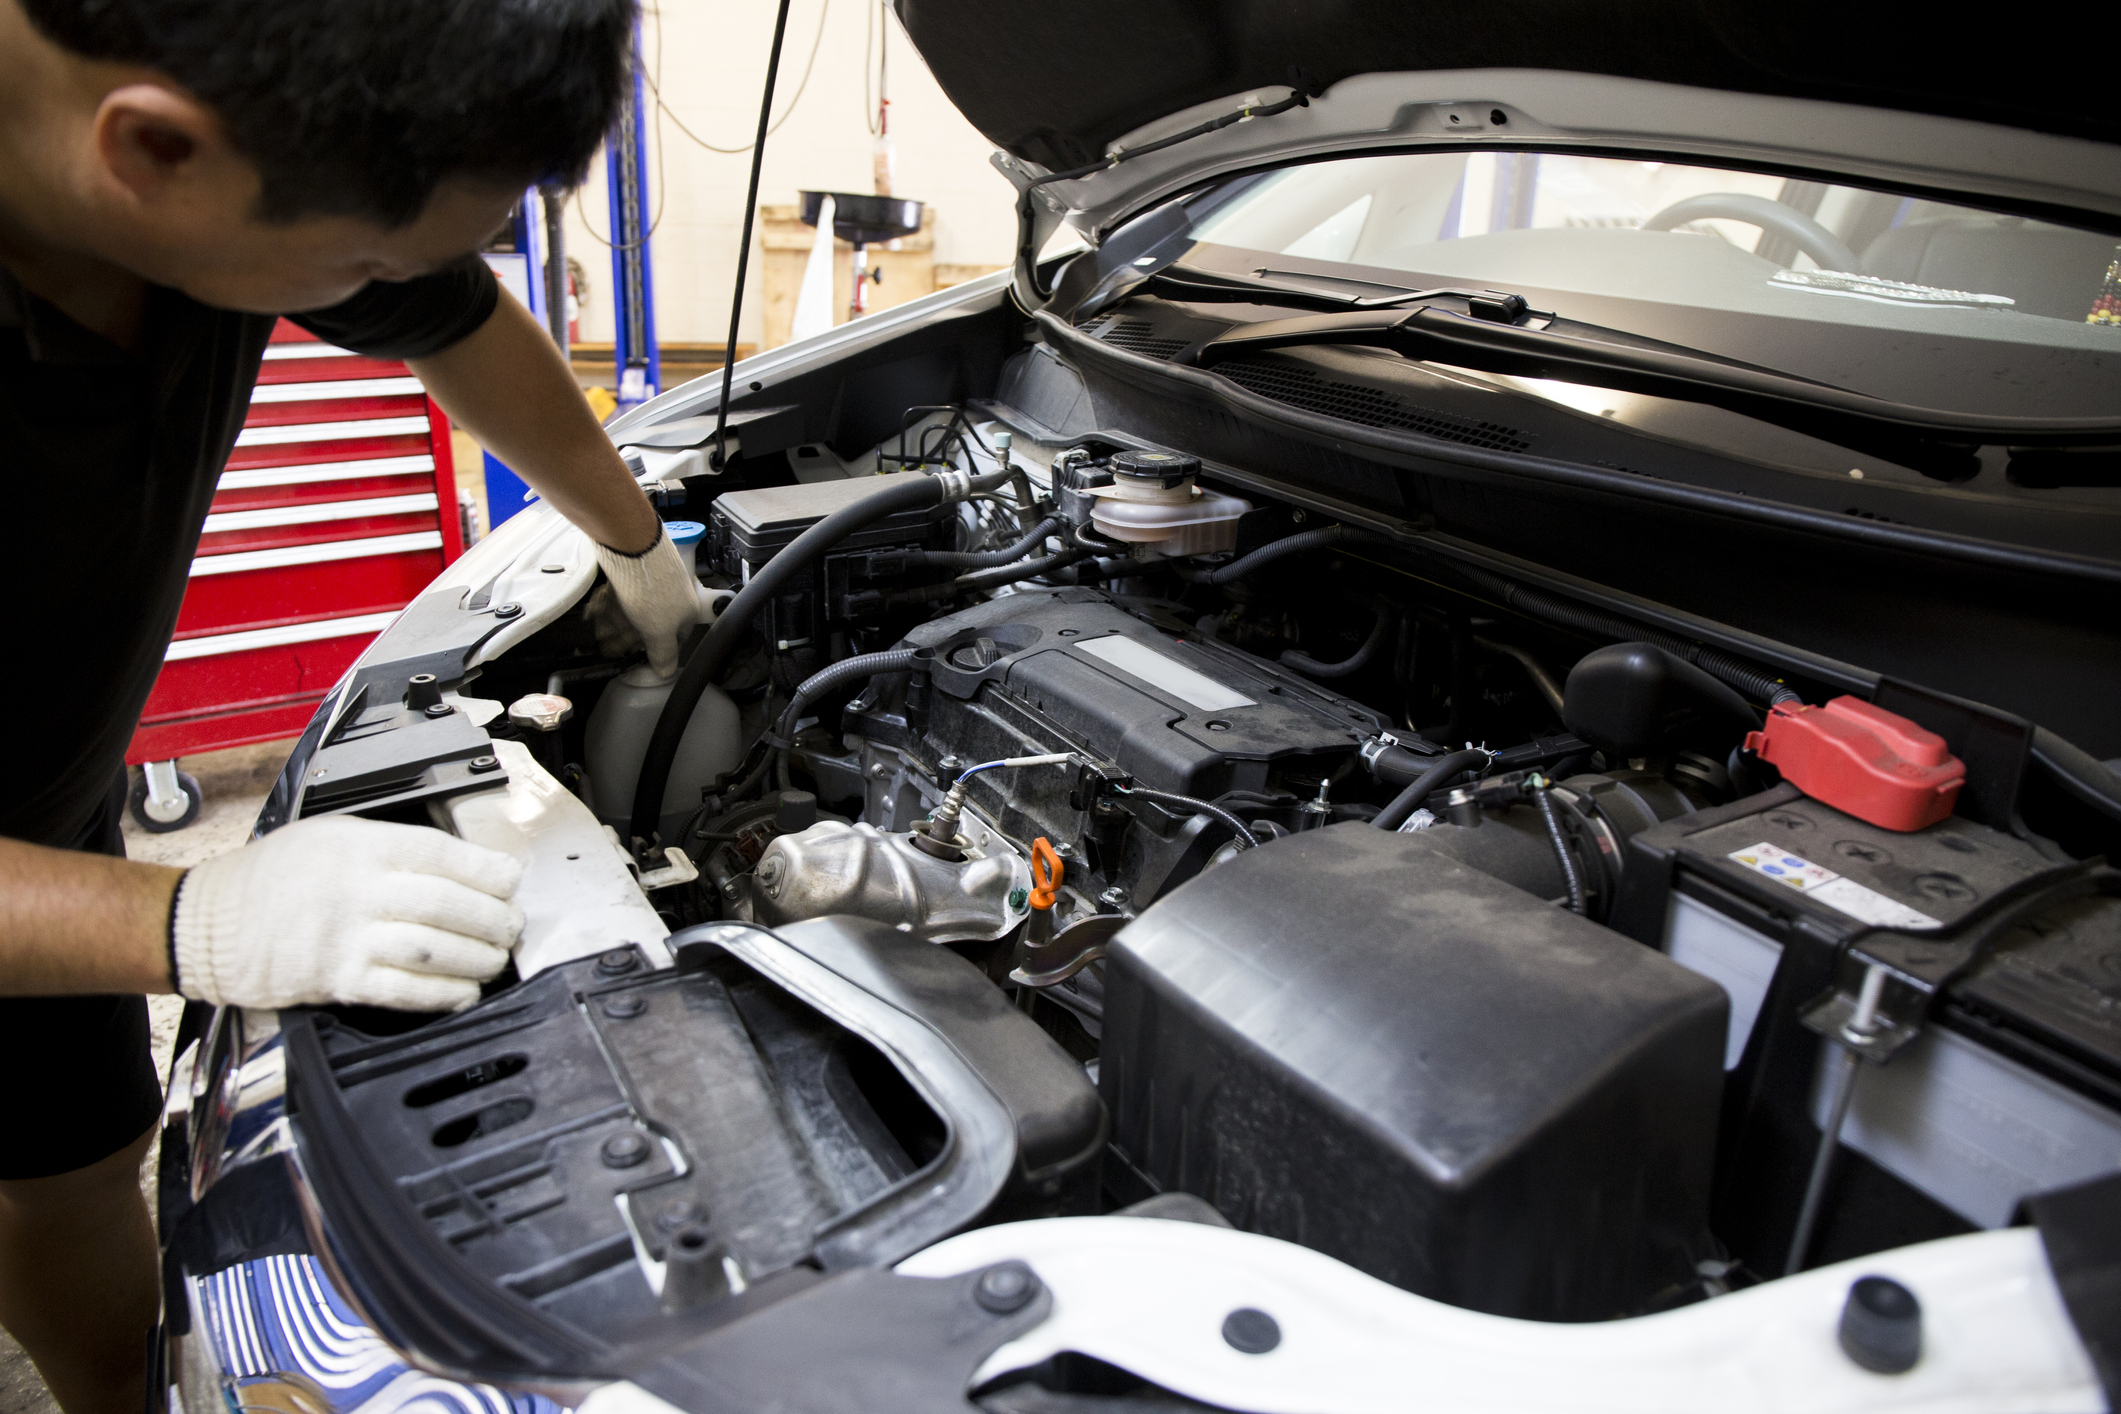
(971, 771)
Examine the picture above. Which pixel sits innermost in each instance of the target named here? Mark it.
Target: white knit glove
(660, 599)
(340, 909)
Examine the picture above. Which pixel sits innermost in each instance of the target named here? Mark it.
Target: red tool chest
(337, 507)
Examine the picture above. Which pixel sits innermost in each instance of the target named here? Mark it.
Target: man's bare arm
(508, 386)
(74, 924)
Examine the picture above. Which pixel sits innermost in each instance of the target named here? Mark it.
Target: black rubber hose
(987, 559)
(1409, 800)
(846, 670)
(1570, 874)
(1355, 662)
(1200, 807)
(1397, 766)
(1286, 546)
(1757, 685)
(989, 579)
(729, 629)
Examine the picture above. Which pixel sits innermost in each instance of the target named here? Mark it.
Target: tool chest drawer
(336, 508)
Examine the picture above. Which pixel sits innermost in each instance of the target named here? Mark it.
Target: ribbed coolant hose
(1409, 800)
(721, 642)
(846, 670)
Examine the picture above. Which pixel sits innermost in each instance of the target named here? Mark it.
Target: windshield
(1814, 278)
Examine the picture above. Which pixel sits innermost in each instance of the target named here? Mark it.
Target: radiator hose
(721, 642)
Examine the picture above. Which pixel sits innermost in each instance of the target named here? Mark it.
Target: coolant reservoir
(619, 729)
(1153, 501)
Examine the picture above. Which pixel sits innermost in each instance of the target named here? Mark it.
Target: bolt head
(510, 610)
(480, 765)
(616, 963)
(1115, 896)
(625, 1008)
(1005, 1288)
(625, 1151)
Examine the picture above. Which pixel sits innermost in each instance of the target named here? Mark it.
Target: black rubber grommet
(1881, 1326)
(1252, 1331)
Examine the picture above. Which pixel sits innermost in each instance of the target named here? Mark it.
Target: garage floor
(234, 784)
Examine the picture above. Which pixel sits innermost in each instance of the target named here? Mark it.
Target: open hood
(1860, 91)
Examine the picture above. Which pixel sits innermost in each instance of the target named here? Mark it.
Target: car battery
(746, 529)
(2005, 959)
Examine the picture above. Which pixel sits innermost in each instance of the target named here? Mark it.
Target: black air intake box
(1351, 1041)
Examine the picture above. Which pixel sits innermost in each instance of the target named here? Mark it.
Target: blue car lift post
(639, 359)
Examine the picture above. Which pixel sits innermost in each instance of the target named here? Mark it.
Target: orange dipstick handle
(1046, 871)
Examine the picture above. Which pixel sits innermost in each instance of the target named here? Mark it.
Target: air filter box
(1350, 1040)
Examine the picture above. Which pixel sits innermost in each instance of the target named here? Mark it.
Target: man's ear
(150, 137)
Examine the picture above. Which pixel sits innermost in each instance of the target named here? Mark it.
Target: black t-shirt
(108, 461)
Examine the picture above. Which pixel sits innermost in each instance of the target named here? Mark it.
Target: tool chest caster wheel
(164, 798)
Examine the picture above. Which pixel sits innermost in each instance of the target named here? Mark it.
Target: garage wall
(712, 64)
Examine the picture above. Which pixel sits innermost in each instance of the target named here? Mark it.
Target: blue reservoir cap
(684, 532)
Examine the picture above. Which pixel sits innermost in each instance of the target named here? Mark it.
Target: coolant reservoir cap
(1161, 469)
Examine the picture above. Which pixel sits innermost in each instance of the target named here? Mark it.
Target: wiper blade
(1936, 441)
(1192, 282)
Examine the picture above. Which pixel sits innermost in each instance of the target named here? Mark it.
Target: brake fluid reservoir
(617, 739)
(1154, 502)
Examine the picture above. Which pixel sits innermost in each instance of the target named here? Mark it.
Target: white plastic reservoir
(619, 729)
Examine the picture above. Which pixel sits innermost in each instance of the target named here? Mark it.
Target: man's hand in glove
(346, 910)
(657, 596)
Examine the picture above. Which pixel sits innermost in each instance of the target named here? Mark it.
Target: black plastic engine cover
(1352, 1041)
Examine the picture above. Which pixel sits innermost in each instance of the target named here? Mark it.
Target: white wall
(712, 68)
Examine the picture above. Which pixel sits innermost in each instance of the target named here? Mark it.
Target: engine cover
(1072, 670)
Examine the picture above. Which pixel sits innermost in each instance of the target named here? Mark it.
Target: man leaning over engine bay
(174, 176)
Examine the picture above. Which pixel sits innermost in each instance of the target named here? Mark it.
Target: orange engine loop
(1046, 872)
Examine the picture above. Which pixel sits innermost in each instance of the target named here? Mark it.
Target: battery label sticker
(1848, 896)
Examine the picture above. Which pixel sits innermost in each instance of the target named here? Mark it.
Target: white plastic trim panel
(513, 559)
(330, 431)
(340, 388)
(309, 515)
(323, 471)
(1150, 1297)
(313, 632)
(240, 560)
(577, 895)
(280, 351)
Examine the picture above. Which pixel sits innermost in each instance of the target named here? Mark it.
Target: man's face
(219, 252)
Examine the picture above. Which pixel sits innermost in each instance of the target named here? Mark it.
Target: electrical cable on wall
(809, 65)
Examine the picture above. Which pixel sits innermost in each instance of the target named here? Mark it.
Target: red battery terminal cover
(1862, 760)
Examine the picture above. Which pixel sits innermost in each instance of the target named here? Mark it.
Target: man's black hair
(360, 107)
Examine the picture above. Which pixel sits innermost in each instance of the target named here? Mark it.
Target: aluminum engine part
(833, 868)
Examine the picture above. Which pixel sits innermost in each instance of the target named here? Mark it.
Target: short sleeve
(410, 318)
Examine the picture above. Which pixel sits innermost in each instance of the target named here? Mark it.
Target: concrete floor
(234, 784)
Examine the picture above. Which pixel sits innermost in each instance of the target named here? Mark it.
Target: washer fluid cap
(1161, 469)
(684, 532)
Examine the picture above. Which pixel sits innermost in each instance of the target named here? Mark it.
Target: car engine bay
(1059, 827)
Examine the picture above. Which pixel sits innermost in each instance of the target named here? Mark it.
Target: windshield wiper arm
(1935, 441)
(1192, 282)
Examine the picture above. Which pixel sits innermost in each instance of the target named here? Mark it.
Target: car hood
(1855, 90)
